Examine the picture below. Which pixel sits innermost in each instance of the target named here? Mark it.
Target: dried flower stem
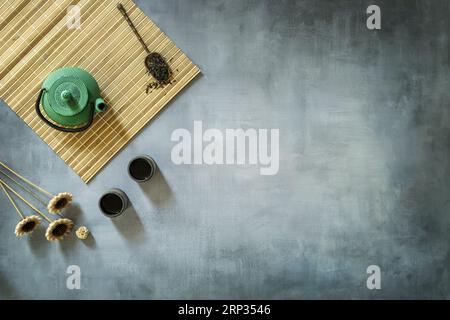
(26, 180)
(12, 202)
(34, 195)
(3, 183)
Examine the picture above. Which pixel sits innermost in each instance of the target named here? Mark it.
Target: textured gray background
(364, 173)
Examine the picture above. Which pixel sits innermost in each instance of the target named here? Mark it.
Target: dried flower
(82, 233)
(27, 225)
(59, 229)
(59, 202)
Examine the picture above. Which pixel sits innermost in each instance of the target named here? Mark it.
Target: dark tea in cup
(142, 169)
(114, 203)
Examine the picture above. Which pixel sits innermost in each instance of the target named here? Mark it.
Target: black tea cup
(114, 203)
(142, 169)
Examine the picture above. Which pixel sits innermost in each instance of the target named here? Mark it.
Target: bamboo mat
(35, 40)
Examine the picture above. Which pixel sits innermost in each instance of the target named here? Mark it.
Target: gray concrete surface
(364, 170)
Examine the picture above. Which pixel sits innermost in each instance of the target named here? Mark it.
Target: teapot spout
(100, 105)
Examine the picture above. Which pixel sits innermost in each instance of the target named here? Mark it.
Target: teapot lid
(68, 96)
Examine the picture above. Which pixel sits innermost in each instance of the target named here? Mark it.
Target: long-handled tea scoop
(132, 26)
(154, 62)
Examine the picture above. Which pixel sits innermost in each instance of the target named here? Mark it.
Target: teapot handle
(54, 126)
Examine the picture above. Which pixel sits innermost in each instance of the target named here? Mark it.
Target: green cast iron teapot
(70, 98)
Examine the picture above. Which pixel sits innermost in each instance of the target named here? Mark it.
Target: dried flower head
(27, 225)
(59, 203)
(59, 229)
(82, 233)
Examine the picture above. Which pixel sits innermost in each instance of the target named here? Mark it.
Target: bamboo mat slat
(35, 40)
